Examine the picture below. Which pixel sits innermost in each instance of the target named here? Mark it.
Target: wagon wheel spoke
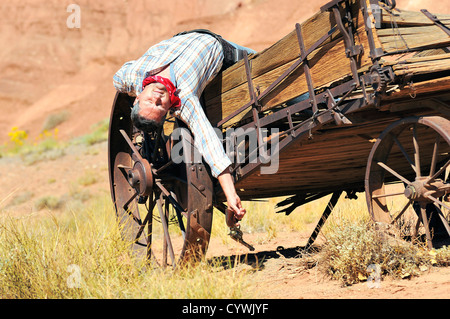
(439, 172)
(167, 242)
(423, 215)
(388, 195)
(405, 154)
(416, 151)
(129, 201)
(390, 170)
(438, 202)
(435, 155)
(400, 214)
(147, 220)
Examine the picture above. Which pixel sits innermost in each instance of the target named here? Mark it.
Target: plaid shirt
(194, 59)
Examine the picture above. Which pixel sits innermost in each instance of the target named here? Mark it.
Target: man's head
(151, 106)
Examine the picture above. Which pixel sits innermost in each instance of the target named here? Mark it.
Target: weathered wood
(422, 67)
(334, 159)
(328, 63)
(411, 18)
(438, 56)
(328, 161)
(413, 89)
(280, 53)
(412, 38)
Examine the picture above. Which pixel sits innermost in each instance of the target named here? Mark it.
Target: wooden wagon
(355, 99)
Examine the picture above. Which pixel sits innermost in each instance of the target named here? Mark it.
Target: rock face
(51, 63)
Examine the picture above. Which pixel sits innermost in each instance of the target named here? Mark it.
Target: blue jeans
(240, 47)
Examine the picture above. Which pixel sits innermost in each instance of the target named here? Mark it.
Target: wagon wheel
(164, 206)
(406, 178)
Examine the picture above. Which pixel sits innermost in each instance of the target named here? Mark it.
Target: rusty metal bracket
(256, 106)
(436, 21)
(306, 67)
(330, 4)
(351, 49)
(339, 118)
(199, 235)
(389, 3)
(253, 99)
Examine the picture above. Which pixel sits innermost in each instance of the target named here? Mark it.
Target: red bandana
(171, 89)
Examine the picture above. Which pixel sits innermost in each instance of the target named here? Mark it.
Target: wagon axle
(140, 177)
(420, 190)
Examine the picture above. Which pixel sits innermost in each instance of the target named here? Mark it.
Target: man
(171, 76)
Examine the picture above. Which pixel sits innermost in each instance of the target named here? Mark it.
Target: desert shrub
(353, 249)
(55, 119)
(89, 177)
(49, 202)
(98, 134)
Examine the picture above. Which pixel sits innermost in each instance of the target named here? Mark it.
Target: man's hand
(235, 211)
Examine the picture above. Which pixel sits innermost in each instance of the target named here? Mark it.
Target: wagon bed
(355, 99)
(409, 50)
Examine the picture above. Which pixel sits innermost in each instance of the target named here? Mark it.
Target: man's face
(154, 102)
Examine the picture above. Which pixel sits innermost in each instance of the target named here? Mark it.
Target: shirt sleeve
(206, 140)
(125, 79)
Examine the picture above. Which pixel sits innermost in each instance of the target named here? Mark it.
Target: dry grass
(80, 254)
(77, 251)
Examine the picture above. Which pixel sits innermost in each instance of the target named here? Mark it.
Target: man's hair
(143, 124)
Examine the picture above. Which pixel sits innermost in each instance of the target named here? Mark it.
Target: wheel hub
(420, 189)
(140, 177)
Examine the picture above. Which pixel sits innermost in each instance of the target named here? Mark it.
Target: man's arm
(209, 145)
(206, 139)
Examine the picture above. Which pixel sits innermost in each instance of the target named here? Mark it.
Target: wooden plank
(295, 85)
(425, 87)
(410, 31)
(422, 68)
(411, 18)
(327, 161)
(440, 56)
(412, 38)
